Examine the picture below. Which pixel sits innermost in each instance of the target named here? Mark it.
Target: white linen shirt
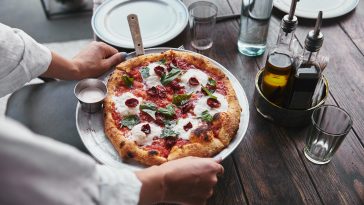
(37, 170)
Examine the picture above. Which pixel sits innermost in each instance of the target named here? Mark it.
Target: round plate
(310, 8)
(159, 21)
(91, 126)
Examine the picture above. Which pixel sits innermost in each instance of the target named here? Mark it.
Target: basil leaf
(181, 99)
(150, 113)
(144, 72)
(205, 116)
(169, 123)
(149, 106)
(168, 111)
(130, 121)
(167, 132)
(128, 81)
(212, 82)
(173, 74)
(208, 92)
(163, 61)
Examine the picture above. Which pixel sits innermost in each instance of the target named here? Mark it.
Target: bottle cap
(289, 21)
(315, 38)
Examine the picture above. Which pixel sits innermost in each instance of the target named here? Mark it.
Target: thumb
(114, 59)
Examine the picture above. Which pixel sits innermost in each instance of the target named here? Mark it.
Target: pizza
(164, 106)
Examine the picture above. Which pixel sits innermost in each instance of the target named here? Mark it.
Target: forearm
(152, 185)
(62, 68)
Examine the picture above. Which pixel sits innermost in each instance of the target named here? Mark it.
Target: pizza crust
(205, 141)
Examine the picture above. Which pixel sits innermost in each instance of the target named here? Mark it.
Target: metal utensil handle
(135, 33)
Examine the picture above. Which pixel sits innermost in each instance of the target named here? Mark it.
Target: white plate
(159, 21)
(91, 126)
(310, 8)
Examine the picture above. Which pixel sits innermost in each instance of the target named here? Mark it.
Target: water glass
(330, 125)
(254, 24)
(202, 21)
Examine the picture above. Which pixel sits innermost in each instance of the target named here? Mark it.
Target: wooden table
(269, 166)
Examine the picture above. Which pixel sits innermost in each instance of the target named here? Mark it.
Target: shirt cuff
(36, 57)
(118, 186)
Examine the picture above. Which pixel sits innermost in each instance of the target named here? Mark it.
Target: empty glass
(202, 21)
(330, 125)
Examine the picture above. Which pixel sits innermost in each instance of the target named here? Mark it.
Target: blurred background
(49, 20)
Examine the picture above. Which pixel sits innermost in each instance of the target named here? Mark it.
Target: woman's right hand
(189, 180)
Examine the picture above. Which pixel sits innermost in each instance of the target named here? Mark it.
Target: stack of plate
(159, 20)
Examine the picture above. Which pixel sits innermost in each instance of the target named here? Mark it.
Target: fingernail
(218, 159)
(123, 55)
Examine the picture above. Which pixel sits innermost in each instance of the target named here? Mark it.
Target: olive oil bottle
(280, 61)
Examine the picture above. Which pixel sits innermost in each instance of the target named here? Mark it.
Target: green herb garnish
(167, 132)
(130, 121)
(128, 81)
(149, 106)
(212, 82)
(150, 113)
(205, 116)
(163, 61)
(168, 111)
(181, 99)
(173, 74)
(169, 123)
(208, 92)
(144, 72)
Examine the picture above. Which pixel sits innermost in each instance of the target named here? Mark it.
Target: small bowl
(90, 93)
(283, 116)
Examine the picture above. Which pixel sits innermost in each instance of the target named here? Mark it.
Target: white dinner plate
(159, 21)
(310, 8)
(91, 126)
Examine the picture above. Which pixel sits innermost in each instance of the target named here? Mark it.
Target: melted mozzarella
(140, 137)
(120, 106)
(201, 105)
(201, 76)
(184, 121)
(153, 79)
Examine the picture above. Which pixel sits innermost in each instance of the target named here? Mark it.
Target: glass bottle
(279, 64)
(307, 74)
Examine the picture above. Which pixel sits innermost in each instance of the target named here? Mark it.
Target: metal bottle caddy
(282, 115)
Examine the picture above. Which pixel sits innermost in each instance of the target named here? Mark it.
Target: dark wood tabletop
(269, 166)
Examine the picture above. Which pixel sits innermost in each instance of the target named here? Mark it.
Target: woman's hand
(96, 59)
(188, 180)
(92, 61)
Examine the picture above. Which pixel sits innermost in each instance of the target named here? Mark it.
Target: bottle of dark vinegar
(307, 74)
(280, 62)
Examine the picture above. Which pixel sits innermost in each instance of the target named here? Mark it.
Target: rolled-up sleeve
(38, 170)
(22, 59)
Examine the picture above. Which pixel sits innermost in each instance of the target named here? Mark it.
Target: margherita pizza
(170, 105)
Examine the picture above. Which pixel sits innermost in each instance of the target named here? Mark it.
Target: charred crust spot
(122, 144)
(217, 116)
(152, 152)
(201, 130)
(206, 138)
(130, 154)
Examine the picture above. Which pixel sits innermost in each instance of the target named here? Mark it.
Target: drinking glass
(202, 21)
(330, 125)
(254, 24)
